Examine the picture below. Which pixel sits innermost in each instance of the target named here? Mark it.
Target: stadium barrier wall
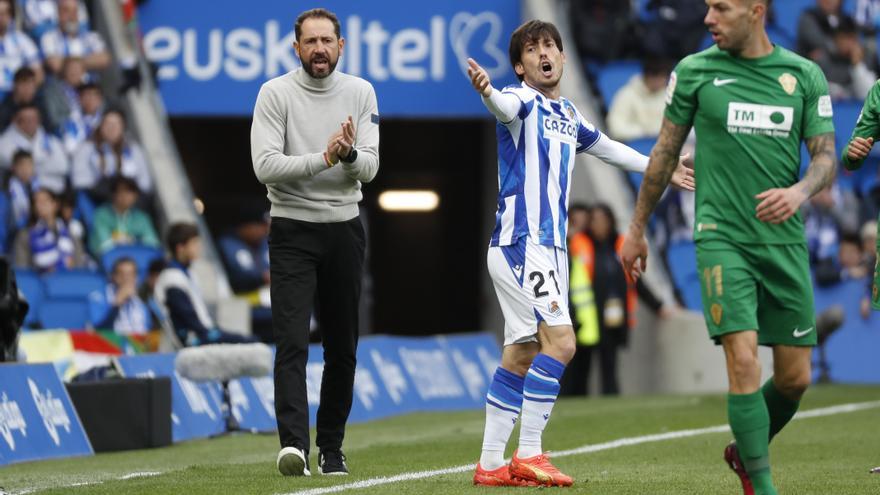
(37, 418)
(395, 375)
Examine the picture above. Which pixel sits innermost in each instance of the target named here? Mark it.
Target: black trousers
(308, 260)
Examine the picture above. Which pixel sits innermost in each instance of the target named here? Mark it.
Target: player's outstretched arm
(623, 157)
(661, 166)
(779, 204)
(504, 107)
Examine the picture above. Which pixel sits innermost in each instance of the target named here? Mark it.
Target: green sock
(750, 423)
(780, 407)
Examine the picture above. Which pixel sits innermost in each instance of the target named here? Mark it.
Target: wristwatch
(352, 156)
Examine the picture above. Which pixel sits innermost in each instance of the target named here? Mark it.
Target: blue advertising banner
(37, 418)
(213, 55)
(195, 407)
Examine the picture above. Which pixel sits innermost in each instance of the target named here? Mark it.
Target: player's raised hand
(683, 176)
(778, 205)
(634, 255)
(859, 148)
(479, 78)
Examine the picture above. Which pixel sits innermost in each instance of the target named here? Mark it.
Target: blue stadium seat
(67, 313)
(682, 258)
(614, 75)
(34, 291)
(142, 256)
(74, 283)
(644, 147)
(788, 13)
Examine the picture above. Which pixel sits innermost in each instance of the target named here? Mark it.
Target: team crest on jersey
(554, 309)
(570, 112)
(788, 82)
(716, 312)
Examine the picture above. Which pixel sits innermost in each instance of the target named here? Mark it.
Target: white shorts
(531, 282)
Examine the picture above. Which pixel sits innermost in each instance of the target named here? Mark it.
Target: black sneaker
(332, 463)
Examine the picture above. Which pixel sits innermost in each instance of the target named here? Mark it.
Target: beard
(320, 73)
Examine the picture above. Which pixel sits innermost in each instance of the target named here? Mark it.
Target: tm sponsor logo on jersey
(762, 120)
(558, 128)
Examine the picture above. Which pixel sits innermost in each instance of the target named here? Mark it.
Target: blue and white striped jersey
(536, 152)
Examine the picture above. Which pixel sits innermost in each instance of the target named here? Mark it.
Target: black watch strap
(352, 156)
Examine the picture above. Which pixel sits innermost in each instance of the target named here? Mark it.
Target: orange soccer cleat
(498, 477)
(539, 470)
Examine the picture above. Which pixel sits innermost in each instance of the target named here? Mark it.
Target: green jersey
(867, 126)
(750, 116)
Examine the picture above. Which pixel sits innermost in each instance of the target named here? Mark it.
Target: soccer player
(539, 134)
(751, 103)
(866, 132)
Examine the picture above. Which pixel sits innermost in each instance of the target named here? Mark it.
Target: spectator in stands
(71, 39)
(148, 287)
(25, 91)
(828, 213)
(41, 16)
(604, 29)
(120, 222)
(84, 119)
(637, 108)
(27, 133)
(615, 299)
(118, 306)
(245, 252)
(852, 258)
(61, 93)
(76, 228)
(17, 48)
(677, 30)
(21, 187)
(47, 245)
(179, 296)
(578, 218)
(109, 153)
(815, 35)
(849, 72)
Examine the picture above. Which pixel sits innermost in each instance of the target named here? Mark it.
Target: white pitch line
(586, 449)
(129, 476)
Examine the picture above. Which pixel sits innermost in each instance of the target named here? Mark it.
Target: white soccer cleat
(293, 462)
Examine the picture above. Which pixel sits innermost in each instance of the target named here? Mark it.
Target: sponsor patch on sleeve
(670, 87)
(825, 109)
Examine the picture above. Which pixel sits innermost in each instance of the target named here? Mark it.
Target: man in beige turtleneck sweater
(314, 141)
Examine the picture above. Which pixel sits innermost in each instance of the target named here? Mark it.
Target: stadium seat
(74, 283)
(68, 313)
(142, 256)
(788, 13)
(614, 75)
(682, 258)
(34, 291)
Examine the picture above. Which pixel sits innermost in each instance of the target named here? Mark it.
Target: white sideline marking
(586, 449)
(141, 474)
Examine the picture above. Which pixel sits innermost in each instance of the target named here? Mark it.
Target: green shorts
(767, 288)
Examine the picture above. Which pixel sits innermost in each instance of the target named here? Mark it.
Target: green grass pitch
(820, 455)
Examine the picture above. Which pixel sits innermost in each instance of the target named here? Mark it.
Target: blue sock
(540, 390)
(503, 404)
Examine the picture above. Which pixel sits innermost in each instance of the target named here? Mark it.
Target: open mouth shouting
(320, 63)
(546, 68)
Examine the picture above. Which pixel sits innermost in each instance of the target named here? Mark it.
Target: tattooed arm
(661, 166)
(778, 205)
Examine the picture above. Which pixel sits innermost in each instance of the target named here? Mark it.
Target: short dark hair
(26, 106)
(120, 261)
(851, 238)
(653, 66)
(23, 73)
(180, 233)
(316, 14)
(89, 86)
(578, 207)
(156, 266)
(21, 154)
(122, 182)
(531, 32)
